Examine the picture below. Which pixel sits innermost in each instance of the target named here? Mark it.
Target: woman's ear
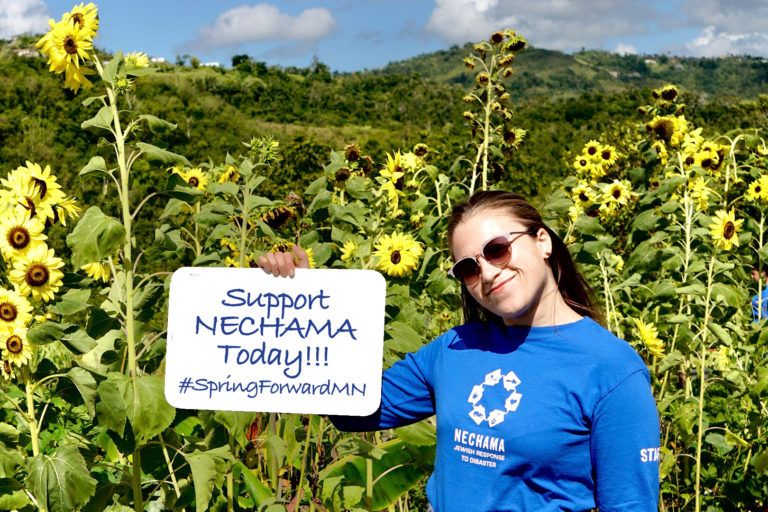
(544, 242)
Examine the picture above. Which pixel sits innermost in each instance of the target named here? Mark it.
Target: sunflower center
(8, 312)
(42, 186)
(758, 189)
(583, 197)
(616, 193)
(689, 160)
(664, 130)
(70, 45)
(606, 155)
(729, 230)
(194, 181)
(592, 150)
(37, 275)
(18, 237)
(583, 163)
(78, 19)
(30, 206)
(706, 163)
(14, 344)
(395, 257)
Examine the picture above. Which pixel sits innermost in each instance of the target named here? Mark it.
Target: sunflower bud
(420, 150)
(497, 38)
(482, 78)
(352, 153)
(469, 62)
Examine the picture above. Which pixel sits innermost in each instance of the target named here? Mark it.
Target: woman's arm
(625, 447)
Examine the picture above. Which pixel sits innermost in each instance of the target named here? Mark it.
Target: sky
(353, 35)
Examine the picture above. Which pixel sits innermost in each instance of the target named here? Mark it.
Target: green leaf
(729, 294)
(237, 423)
(87, 101)
(760, 462)
(404, 337)
(719, 442)
(102, 119)
(95, 238)
(157, 125)
(86, 385)
(113, 67)
(163, 156)
(721, 333)
(208, 470)
(589, 226)
(93, 359)
(111, 408)
(95, 164)
(146, 407)
(72, 302)
(256, 489)
(418, 434)
(46, 332)
(61, 482)
(10, 461)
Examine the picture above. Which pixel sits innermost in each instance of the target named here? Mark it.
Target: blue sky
(351, 35)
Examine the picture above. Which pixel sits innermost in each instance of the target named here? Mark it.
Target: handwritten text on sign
(240, 339)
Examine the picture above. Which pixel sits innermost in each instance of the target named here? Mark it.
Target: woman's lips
(497, 287)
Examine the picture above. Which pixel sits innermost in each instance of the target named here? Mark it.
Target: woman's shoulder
(612, 352)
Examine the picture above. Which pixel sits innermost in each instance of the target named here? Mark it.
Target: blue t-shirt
(529, 418)
(763, 305)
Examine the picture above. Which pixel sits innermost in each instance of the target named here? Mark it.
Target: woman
(538, 407)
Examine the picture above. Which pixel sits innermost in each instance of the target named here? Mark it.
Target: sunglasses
(496, 251)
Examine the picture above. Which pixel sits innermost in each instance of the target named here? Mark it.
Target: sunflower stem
(127, 265)
(29, 389)
(702, 378)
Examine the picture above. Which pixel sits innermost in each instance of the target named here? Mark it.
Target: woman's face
(520, 291)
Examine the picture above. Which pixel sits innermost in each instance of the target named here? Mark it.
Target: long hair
(570, 283)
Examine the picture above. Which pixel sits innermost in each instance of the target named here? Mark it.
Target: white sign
(242, 340)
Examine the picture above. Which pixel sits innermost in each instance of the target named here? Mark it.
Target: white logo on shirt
(649, 455)
(509, 381)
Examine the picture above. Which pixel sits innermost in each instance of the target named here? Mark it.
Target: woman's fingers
(284, 264)
(302, 258)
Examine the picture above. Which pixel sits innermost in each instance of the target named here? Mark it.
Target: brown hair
(572, 286)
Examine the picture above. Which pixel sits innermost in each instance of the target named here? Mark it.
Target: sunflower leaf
(95, 237)
(60, 482)
(102, 119)
(161, 155)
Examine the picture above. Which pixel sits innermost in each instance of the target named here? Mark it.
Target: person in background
(538, 407)
(760, 301)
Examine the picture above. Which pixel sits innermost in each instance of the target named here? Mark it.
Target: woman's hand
(283, 264)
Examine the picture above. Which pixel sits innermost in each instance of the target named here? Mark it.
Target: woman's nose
(487, 271)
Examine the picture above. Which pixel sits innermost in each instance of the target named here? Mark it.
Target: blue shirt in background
(763, 305)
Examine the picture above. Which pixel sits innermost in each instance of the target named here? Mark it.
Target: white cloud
(20, 16)
(556, 24)
(731, 16)
(714, 43)
(264, 22)
(625, 49)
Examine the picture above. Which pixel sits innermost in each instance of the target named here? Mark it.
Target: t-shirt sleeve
(625, 447)
(407, 394)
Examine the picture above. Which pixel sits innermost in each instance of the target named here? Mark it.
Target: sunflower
(86, 17)
(650, 337)
(670, 129)
(393, 170)
(197, 178)
(7, 370)
(607, 156)
(32, 179)
(14, 346)
(352, 152)
(37, 273)
(725, 229)
(514, 137)
(668, 93)
(574, 212)
(618, 192)
(661, 152)
(348, 250)
(19, 234)
(67, 208)
(15, 310)
(700, 192)
(591, 148)
(582, 194)
(397, 254)
(137, 59)
(68, 47)
(758, 190)
(581, 164)
(411, 162)
(98, 271)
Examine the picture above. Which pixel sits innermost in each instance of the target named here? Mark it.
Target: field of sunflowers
(666, 224)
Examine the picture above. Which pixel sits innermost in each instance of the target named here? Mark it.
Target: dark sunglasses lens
(466, 271)
(497, 251)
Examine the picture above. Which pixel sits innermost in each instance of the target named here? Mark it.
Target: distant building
(211, 64)
(650, 62)
(157, 60)
(613, 73)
